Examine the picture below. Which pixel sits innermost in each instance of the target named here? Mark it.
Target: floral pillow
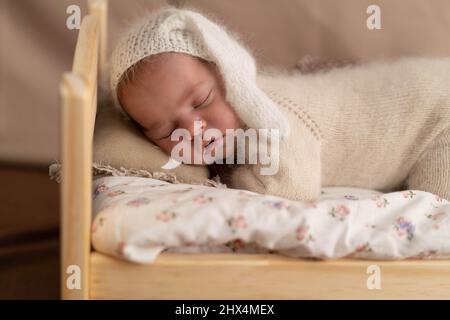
(137, 218)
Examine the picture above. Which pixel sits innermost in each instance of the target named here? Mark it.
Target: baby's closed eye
(204, 101)
(200, 102)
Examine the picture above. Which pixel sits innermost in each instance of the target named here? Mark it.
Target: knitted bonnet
(180, 30)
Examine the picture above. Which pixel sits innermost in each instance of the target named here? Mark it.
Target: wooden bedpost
(76, 188)
(99, 9)
(78, 93)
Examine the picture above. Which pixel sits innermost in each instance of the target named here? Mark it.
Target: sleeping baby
(382, 125)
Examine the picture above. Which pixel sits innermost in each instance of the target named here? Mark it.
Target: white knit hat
(179, 30)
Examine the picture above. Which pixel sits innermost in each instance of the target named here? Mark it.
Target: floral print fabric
(137, 218)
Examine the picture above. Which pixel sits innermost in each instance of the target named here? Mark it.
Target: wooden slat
(264, 276)
(76, 186)
(99, 9)
(85, 62)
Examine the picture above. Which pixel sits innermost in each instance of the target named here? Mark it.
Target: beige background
(36, 48)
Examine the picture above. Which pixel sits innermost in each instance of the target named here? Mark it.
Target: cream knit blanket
(383, 125)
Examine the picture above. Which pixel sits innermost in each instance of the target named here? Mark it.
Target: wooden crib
(197, 275)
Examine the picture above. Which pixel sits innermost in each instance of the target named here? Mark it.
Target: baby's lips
(204, 142)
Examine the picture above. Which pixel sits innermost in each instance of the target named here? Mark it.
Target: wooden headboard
(78, 93)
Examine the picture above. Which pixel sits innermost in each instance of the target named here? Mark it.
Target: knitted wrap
(179, 30)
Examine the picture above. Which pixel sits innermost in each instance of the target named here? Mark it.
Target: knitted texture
(383, 125)
(316, 64)
(179, 30)
(299, 173)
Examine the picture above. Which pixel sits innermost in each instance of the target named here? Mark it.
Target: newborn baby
(180, 89)
(383, 126)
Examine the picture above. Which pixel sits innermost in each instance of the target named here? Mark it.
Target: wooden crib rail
(76, 186)
(78, 92)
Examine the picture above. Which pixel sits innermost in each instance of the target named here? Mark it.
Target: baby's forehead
(168, 58)
(169, 69)
(161, 81)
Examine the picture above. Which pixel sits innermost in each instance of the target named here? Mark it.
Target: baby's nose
(197, 128)
(194, 126)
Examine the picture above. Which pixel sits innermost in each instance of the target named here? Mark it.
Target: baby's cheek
(177, 150)
(167, 146)
(180, 150)
(223, 120)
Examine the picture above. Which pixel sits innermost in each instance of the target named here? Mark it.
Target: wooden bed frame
(199, 275)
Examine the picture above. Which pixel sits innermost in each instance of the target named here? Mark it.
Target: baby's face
(171, 91)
